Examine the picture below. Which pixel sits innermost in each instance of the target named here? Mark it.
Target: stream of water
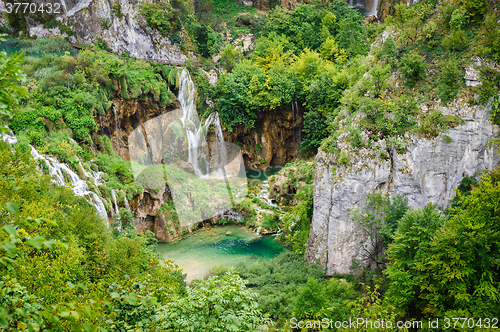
(365, 7)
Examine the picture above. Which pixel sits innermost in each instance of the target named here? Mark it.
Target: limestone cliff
(427, 172)
(274, 140)
(129, 33)
(386, 7)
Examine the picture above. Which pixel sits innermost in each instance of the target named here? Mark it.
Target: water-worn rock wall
(92, 19)
(427, 172)
(274, 139)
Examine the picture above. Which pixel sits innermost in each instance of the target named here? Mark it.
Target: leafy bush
(314, 131)
(44, 45)
(449, 80)
(215, 304)
(276, 282)
(158, 15)
(413, 67)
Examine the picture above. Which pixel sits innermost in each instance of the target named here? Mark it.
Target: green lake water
(198, 253)
(11, 46)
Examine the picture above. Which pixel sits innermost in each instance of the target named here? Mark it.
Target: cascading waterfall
(190, 120)
(214, 119)
(57, 170)
(113, 194)
(366, 7)
(192, 126)
(117, 211)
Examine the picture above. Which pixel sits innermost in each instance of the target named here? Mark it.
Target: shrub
(158, 15)
(314, 131)
(455, 40)
(117, 10)
(449, 80)
(458, 20)
(413, 67)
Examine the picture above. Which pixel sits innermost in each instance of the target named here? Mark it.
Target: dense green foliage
(441, 267)
(62, 268)
(288, 287)
(300, 56)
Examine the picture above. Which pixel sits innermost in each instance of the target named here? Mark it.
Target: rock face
(275, 138)
(126, 115)
(129, 34)
(147, 215)
(386, 7)
(427, 172)
(270, 4)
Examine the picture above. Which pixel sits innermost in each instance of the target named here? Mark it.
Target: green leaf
(49, 244)
(11, 230)
(3, 323)
(9, 248)
(75, 314)
(70, 285)
(131, 299)
(64, 313)
(36, 242)
(13, 208)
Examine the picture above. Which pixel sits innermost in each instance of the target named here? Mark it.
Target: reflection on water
(366, 7)
(198, 253)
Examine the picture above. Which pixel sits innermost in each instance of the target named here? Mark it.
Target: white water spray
(59, 172)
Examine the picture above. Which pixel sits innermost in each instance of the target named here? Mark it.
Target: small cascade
(263, 194)
(59, 172)
(113, 194)
(214, 119)
(127, 205)
(117, 211)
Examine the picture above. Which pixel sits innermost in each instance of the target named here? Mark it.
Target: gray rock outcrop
(427, 172)
(129, 33)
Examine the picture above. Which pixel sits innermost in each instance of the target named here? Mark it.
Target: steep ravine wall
(92, 19)
(427, 172)
(274, 139)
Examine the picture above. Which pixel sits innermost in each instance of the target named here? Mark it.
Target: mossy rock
(105, 177)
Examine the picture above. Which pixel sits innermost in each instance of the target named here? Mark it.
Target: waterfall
(57, 170)
(190, 120)
(127, 205)
(113, 194)
(214, 119)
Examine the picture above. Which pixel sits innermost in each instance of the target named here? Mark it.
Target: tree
(413, 67)
(215, 304)
(461, 268)
(411, 245)
(10, 75)
(311, 298)
(379, 219)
